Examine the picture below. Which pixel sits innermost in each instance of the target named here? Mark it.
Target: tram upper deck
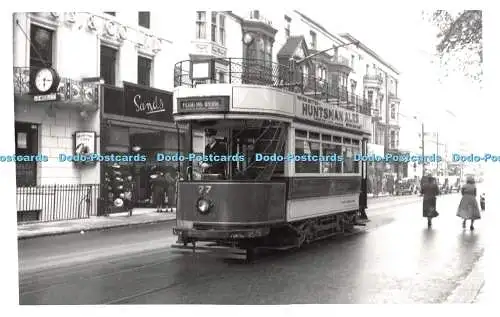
(240, 88)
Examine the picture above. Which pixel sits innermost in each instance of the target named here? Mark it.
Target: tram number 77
(204, 189)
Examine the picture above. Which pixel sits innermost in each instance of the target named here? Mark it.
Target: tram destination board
(203, 104)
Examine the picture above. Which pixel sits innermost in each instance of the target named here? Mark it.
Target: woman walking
(429, 190)
(468, 208)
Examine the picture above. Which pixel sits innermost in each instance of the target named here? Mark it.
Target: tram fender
(232, 203)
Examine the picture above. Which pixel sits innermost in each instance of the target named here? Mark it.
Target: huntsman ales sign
(312, 109)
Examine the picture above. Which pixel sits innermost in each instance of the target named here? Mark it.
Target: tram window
(332, 166)
(314, 135)
(300, 134)
(304, 165)
(348, 160)
(326, 137)
(337, 139)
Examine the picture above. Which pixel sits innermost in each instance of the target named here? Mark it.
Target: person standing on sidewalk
(468, 208)
(159, 188)
(170, 188)
(430, 191)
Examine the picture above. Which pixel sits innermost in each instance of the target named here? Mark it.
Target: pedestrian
(468, 208)
(430, 191)
(482, 201)
(170, 188)
(159, 188)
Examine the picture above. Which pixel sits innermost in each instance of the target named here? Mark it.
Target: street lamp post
(423, 151)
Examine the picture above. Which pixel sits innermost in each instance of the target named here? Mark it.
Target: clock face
(44, 80)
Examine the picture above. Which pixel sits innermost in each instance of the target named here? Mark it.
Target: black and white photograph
(252, 154)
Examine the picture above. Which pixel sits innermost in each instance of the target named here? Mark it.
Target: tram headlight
(203, 205)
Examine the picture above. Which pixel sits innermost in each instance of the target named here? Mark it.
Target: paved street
(396, 260)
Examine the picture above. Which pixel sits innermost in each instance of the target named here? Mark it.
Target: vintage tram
(289, 176)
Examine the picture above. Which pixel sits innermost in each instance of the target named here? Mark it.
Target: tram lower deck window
(332, 166)
(305, 164)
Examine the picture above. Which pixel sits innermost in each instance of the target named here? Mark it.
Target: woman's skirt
(468, 208)
(429, 208)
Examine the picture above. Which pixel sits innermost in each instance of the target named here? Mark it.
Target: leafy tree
(460, 38)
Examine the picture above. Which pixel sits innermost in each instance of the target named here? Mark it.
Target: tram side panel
(231, 204)
(310, 197)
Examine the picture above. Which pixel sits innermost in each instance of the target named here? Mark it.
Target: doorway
(26, 144)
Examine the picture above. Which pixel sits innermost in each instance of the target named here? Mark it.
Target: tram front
(228, 193)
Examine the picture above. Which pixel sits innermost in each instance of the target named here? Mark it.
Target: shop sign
(203, 104)
(147, 103)
(84, 146)
(41, 98)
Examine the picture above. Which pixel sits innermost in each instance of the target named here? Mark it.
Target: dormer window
(313, 40)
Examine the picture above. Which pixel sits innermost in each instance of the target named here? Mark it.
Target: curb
(469, 288)
(103, 228)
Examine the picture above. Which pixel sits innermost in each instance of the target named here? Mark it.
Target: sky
(407, 42)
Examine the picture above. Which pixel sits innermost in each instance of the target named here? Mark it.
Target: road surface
(396, 260)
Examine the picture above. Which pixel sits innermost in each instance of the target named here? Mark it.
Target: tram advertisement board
(314, 110)
(203, 104)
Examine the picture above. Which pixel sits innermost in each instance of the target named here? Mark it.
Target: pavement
(139, 217)
(395, 259)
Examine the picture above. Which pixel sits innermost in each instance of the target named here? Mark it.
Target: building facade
(346, 72)
(113, 93)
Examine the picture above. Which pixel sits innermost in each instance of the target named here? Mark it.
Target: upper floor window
(145, 19)
(222, 29)
(41, 46)
(288, 21)
(111, 13)
(393, 139)
(144, 71)
(353, 60)
(393, 111)
(370, 98)
(201, 25)
(108, 64)
(214, 27)
(313, 40)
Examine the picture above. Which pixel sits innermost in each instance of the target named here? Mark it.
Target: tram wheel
(309, 233)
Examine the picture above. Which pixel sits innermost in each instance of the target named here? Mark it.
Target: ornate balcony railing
(393, 96)
(70, 90)
(341, 60)
(377, 78)
(259, 72)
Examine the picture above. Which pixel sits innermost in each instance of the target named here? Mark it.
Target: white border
(9, 279)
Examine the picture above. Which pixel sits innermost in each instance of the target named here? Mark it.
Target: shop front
(137, 123)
